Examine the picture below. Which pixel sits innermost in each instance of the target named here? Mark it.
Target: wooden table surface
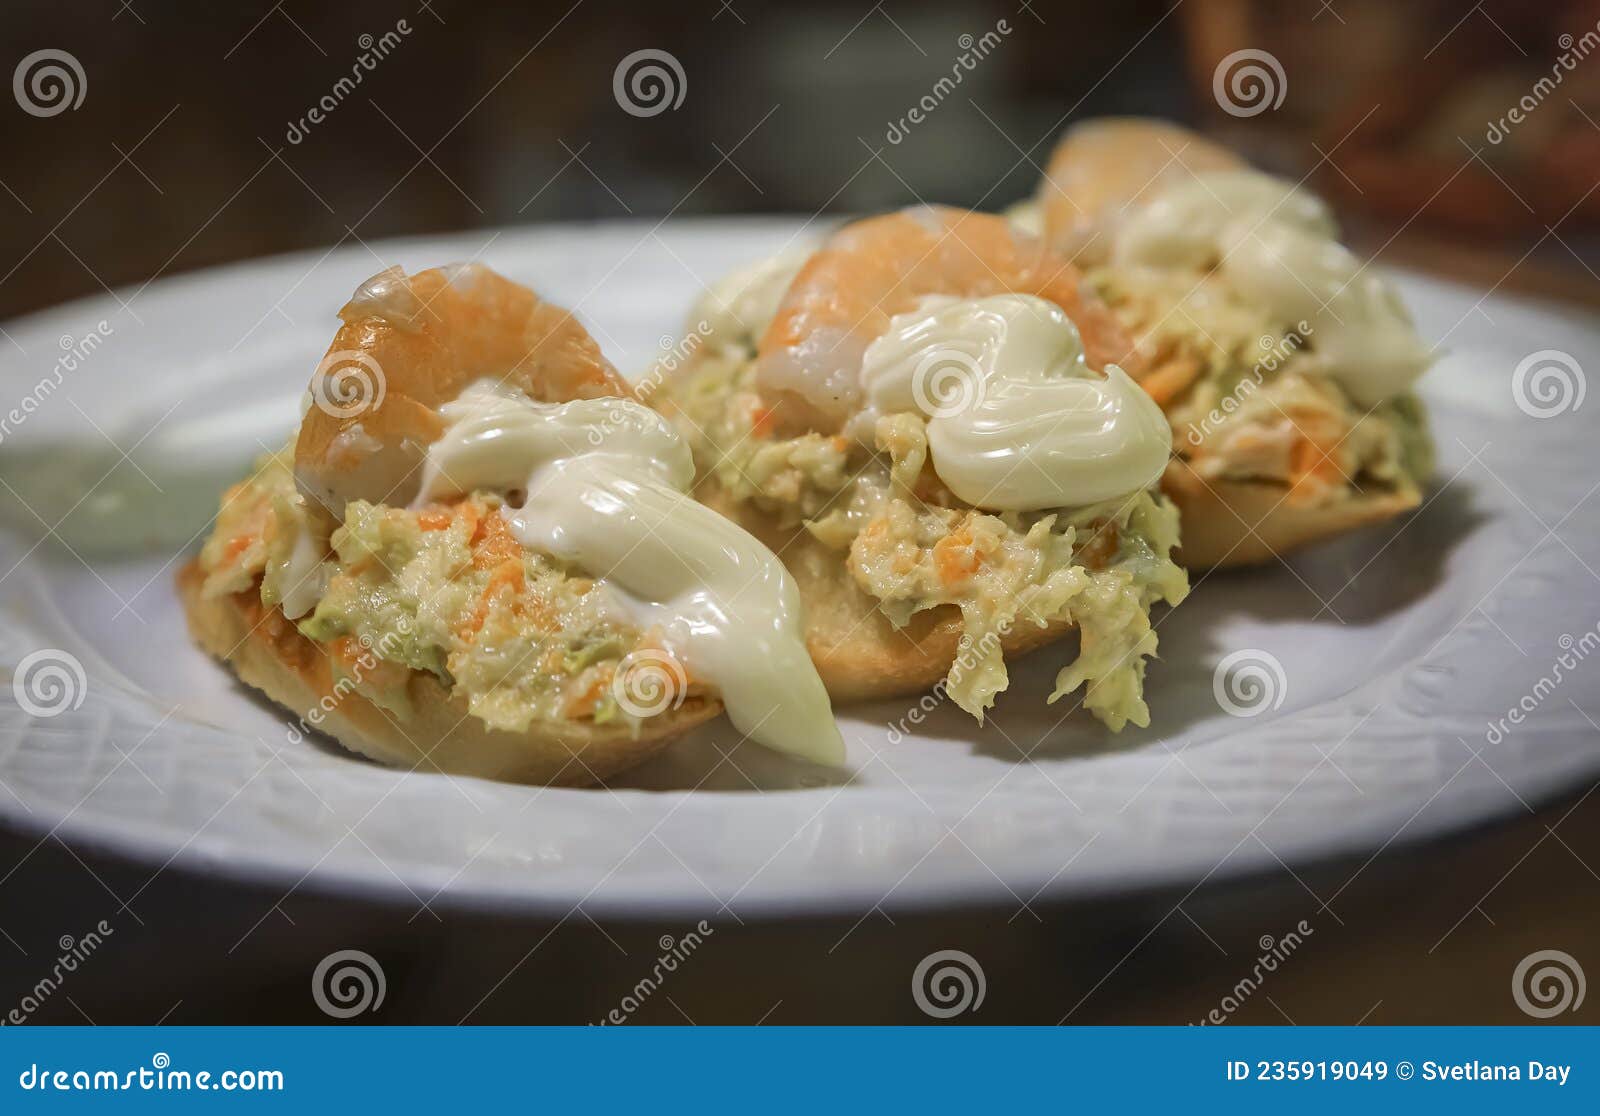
(1425, 934)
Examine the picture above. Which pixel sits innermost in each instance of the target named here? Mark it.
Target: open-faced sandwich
(1284, 363)
(925, 419)
(479, 555)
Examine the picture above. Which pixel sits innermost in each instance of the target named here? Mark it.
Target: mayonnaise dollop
(1017, 421)
(1182, 224)
(607, 484)
(1359, 328)
(1275, 246)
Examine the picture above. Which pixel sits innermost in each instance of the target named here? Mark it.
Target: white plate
(1397, 648)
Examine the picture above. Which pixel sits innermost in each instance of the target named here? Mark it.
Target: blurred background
(210, 133)
(192, 145)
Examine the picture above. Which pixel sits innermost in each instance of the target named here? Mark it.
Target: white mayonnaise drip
(1275, 246)
(607, 484)
(1016, 420)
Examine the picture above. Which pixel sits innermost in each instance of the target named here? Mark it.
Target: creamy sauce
(1017, 421)
(1183, 223)
(1359, 329)
(1275, 246)
(735, 310)
(607, 484)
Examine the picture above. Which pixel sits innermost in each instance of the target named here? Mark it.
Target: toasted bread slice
(407, 345)
(858, 652)
(1100, 172)
(1242, 523)
(268, 653)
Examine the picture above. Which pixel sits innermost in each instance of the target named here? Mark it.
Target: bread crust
(1241, 523)
(268, 652)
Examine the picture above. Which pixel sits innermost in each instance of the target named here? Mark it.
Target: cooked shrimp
(409, 345)
(1103, 168)
(871, 270)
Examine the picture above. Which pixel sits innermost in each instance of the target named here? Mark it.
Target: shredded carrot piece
(1102, 544)
(1166, 382)
(507, 575)
(583, 703)
(434, 519)
(362, 662)
(955, 559)
(493, 544)
(1314, 469)
(761, 421)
